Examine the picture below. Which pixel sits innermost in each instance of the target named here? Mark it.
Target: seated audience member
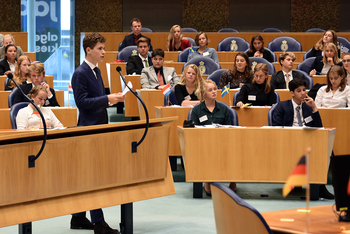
(257, 49)
(301, 110)
(240, 74)
(202, 41)
(8, 64)
(132, 38)
(322, 64)
(190, 83)
(336, 94)
(1, 38)
(37, 75)
(21, 73)
(175, 41)
(29, 117)
(157, 76)
(136, 63)
(281, 79)
(9, 40)
(346, 66)
(209, 111)
(328, 36)
(259, 92)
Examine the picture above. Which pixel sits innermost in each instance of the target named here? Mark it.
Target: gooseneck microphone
(134, 144)
(32, 158)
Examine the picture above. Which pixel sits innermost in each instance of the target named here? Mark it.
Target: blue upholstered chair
(11, 96)
(306, 64)
(206, 65)
(228, 30)
(233, 44)
(233, 114)
(309, 79)
(277, 97)
(274, 56)
(183, 55)
(345, 44)
(232, 213)
(189, 29)
(5, 83)
(285, 44)
(307, 54)
(125, 53)
(272, 30)
(192, 41)
(13, 112)
(256, 60)
(315, 30)
(215, 76)
(270, 114)
(171, 98)
(145, 29)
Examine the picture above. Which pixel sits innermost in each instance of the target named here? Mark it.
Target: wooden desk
(4, 98)
(319, 79)
(69, 177)
(21, 39)
(227, 155)
(49, 81)
(31, 55)
(67, 116)
(114, 79)
(322, 221)
(110, 57)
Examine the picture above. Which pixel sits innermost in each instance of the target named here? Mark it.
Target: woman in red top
(175, 41)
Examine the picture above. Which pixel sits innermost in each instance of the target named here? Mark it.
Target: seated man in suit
(136, 63)
(132, 38)
(37, 75)
(157, 76)
(301, 110)
(280, 79)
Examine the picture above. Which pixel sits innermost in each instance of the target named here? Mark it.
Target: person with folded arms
(202, 41)
(336, 94)
(322, 64)
(189, 84)
(259, 92)
(29, 117)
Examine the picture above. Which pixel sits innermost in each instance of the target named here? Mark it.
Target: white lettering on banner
(45, 38)
(45, 49)
(46, 9)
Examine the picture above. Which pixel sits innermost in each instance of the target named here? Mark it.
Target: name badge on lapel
(308, 119)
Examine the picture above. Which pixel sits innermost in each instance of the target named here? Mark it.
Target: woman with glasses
(259, 92)
(336, 94)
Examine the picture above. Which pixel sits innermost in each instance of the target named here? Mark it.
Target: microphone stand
(32, 158)
(135, 144)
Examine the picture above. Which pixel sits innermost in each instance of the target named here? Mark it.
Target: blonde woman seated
(29, 117)
(260, 92)
(336, 94)
(21, 73)
(321, 65)
(175, 41)
(188, 86)
(209, 111)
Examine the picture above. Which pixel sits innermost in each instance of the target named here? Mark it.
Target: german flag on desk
(349, 186)
(297, 177)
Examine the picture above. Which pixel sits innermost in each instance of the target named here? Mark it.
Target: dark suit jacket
(318, 65)
(26, 87)
(135, 64)
(279, 82)
(129, 40)
(89, 97)
(4, 66)
(284, 115)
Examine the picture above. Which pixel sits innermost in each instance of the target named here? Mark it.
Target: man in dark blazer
(136, 62)
(131, 39)
(278, 80)
(91, 100)
(37, 75)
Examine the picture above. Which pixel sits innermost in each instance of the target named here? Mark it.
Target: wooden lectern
(81, 169)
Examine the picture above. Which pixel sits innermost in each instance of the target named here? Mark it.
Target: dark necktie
(299, 116)
(99, 78)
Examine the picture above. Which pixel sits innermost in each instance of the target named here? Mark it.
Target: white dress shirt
(340, 99)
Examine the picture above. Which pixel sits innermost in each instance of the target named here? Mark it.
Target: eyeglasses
(346, 61)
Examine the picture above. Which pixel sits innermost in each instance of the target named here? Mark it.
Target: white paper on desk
(126, 89)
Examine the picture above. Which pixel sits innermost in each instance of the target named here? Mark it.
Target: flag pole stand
(229, 94)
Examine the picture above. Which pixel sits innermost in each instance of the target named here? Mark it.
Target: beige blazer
(149, 78)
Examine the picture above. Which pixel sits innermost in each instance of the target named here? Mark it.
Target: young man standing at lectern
(92, 101)
(300, 111)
